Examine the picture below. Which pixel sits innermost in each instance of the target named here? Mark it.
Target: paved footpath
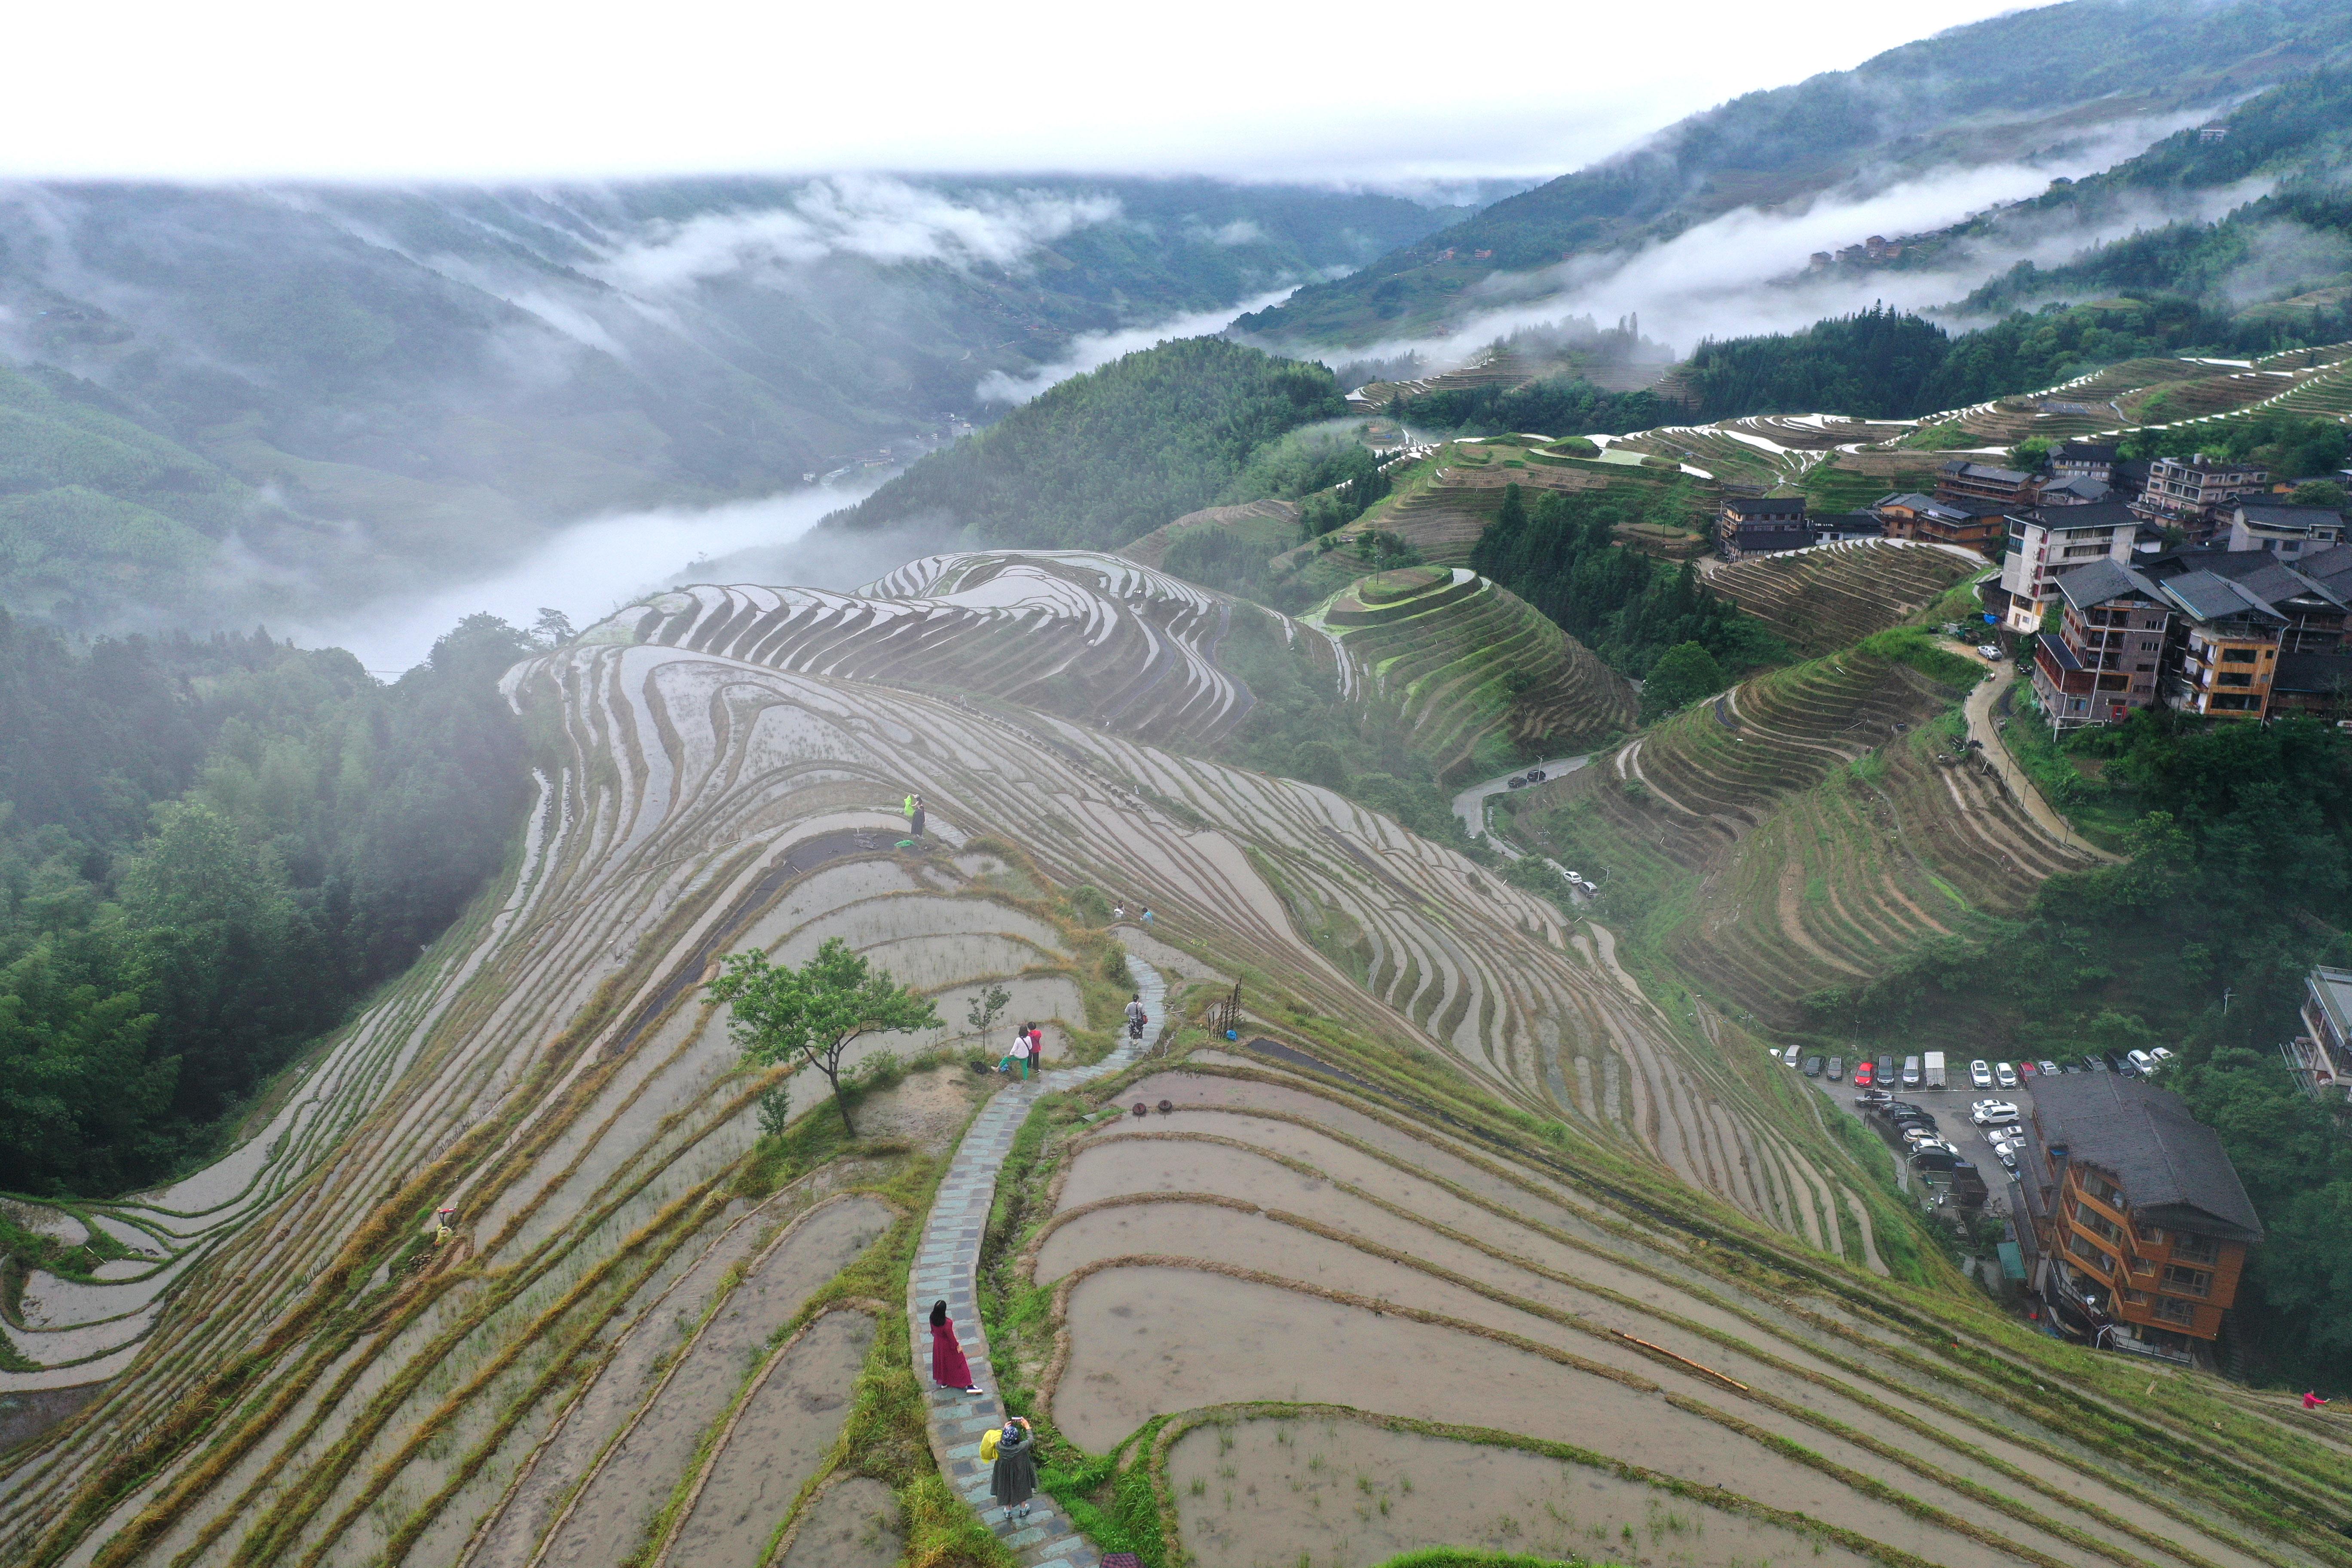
(946, 1266)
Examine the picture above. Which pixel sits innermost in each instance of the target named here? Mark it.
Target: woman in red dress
(949, 1369)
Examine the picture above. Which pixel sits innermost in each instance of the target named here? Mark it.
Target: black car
(2095, 1062)
(1886, 1069)
(2124, 1065)
(1812, 1067)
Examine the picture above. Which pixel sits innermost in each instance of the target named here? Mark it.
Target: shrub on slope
(1114, 453)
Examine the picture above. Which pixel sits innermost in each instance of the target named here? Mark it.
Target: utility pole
(2227, 992)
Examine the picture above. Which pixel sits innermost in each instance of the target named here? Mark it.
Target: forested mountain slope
(1109, 456)
(2063, 71)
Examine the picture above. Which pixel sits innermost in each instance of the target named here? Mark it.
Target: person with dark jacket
(1014, 1479)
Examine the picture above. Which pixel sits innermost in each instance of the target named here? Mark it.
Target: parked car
(1862, 1074)
(1813, 1066)
(2004, 1074)
(2162, 1054)
(2094, 1062)
(1872, 1099)
(1835, 1072)
(2123, 1063)
(2028, 1070)
(2005, 1154)
(2142, 1061)
(1937, 1159)
(1990, 1115)
(2050, 1067)
(1789, 1055)
(1910, 1072)
(2069, 1067)
(1989, 650)
(1886, 1069)
(1979, 1074)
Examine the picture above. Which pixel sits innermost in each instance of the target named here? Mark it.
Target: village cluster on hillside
(2191, 582)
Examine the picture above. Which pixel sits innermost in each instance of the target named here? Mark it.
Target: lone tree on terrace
(814, 1011)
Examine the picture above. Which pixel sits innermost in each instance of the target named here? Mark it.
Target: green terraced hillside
(1458, 1236)
(1482, 680)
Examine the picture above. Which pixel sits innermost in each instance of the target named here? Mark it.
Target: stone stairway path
(947, 1265)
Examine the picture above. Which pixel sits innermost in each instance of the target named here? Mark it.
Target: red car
(2026, 1070)
(1862, 1073)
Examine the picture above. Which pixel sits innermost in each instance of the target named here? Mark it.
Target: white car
(1990, 650)
(2004, 1074)
(2006, 1154)
(2162, 1054)
(1993, 1115)
(1980, 1075)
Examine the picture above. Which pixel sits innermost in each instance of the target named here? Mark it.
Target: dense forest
(1553, 405)
(1885, 364)
(2239, 878)
(1560, 556)
(209, 851)
(1111, 455)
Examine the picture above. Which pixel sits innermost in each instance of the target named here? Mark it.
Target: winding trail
(1979, 708)
(947, 1267)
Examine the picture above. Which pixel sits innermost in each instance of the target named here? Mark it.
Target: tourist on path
(949, 1368)
(1136, 1017)
(1036, 1049)
(1014, 1479)
(1019, 1053)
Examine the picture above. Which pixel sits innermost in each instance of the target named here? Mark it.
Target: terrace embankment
(1798, 832)
(1350, 1346)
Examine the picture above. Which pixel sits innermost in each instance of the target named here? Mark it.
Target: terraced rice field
(1804, 830)
(1835, 594)
(323, 1388)
(1336, 1328)
(1438, 643)
(1152, 550)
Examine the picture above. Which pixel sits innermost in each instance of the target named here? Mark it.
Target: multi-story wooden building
(1760, 525)
(2005, 488)
(1978, 525)
(2141, 1222)
(2105, 658)
(2226, 647)
(2318, 610)
(2193, 493)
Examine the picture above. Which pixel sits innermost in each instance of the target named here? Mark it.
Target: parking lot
(1950, 1108)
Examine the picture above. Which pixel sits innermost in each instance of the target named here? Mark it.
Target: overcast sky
(466, 90)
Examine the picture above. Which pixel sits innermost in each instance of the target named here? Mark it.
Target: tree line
(210, 850)
(1561, 555)
(1109, 456)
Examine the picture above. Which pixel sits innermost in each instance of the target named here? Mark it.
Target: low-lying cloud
(590, 569)
(1746, 272)
(870, 217)
(1090, 351)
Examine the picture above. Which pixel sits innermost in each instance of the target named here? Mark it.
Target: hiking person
(1020, 1051)
(949, 1368)
(1136, 1017)
(1013, 1480)
(1036, 1049)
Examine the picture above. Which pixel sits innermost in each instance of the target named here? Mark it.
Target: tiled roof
(2103, 579)
(2171, 1167)
(2211, 598)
